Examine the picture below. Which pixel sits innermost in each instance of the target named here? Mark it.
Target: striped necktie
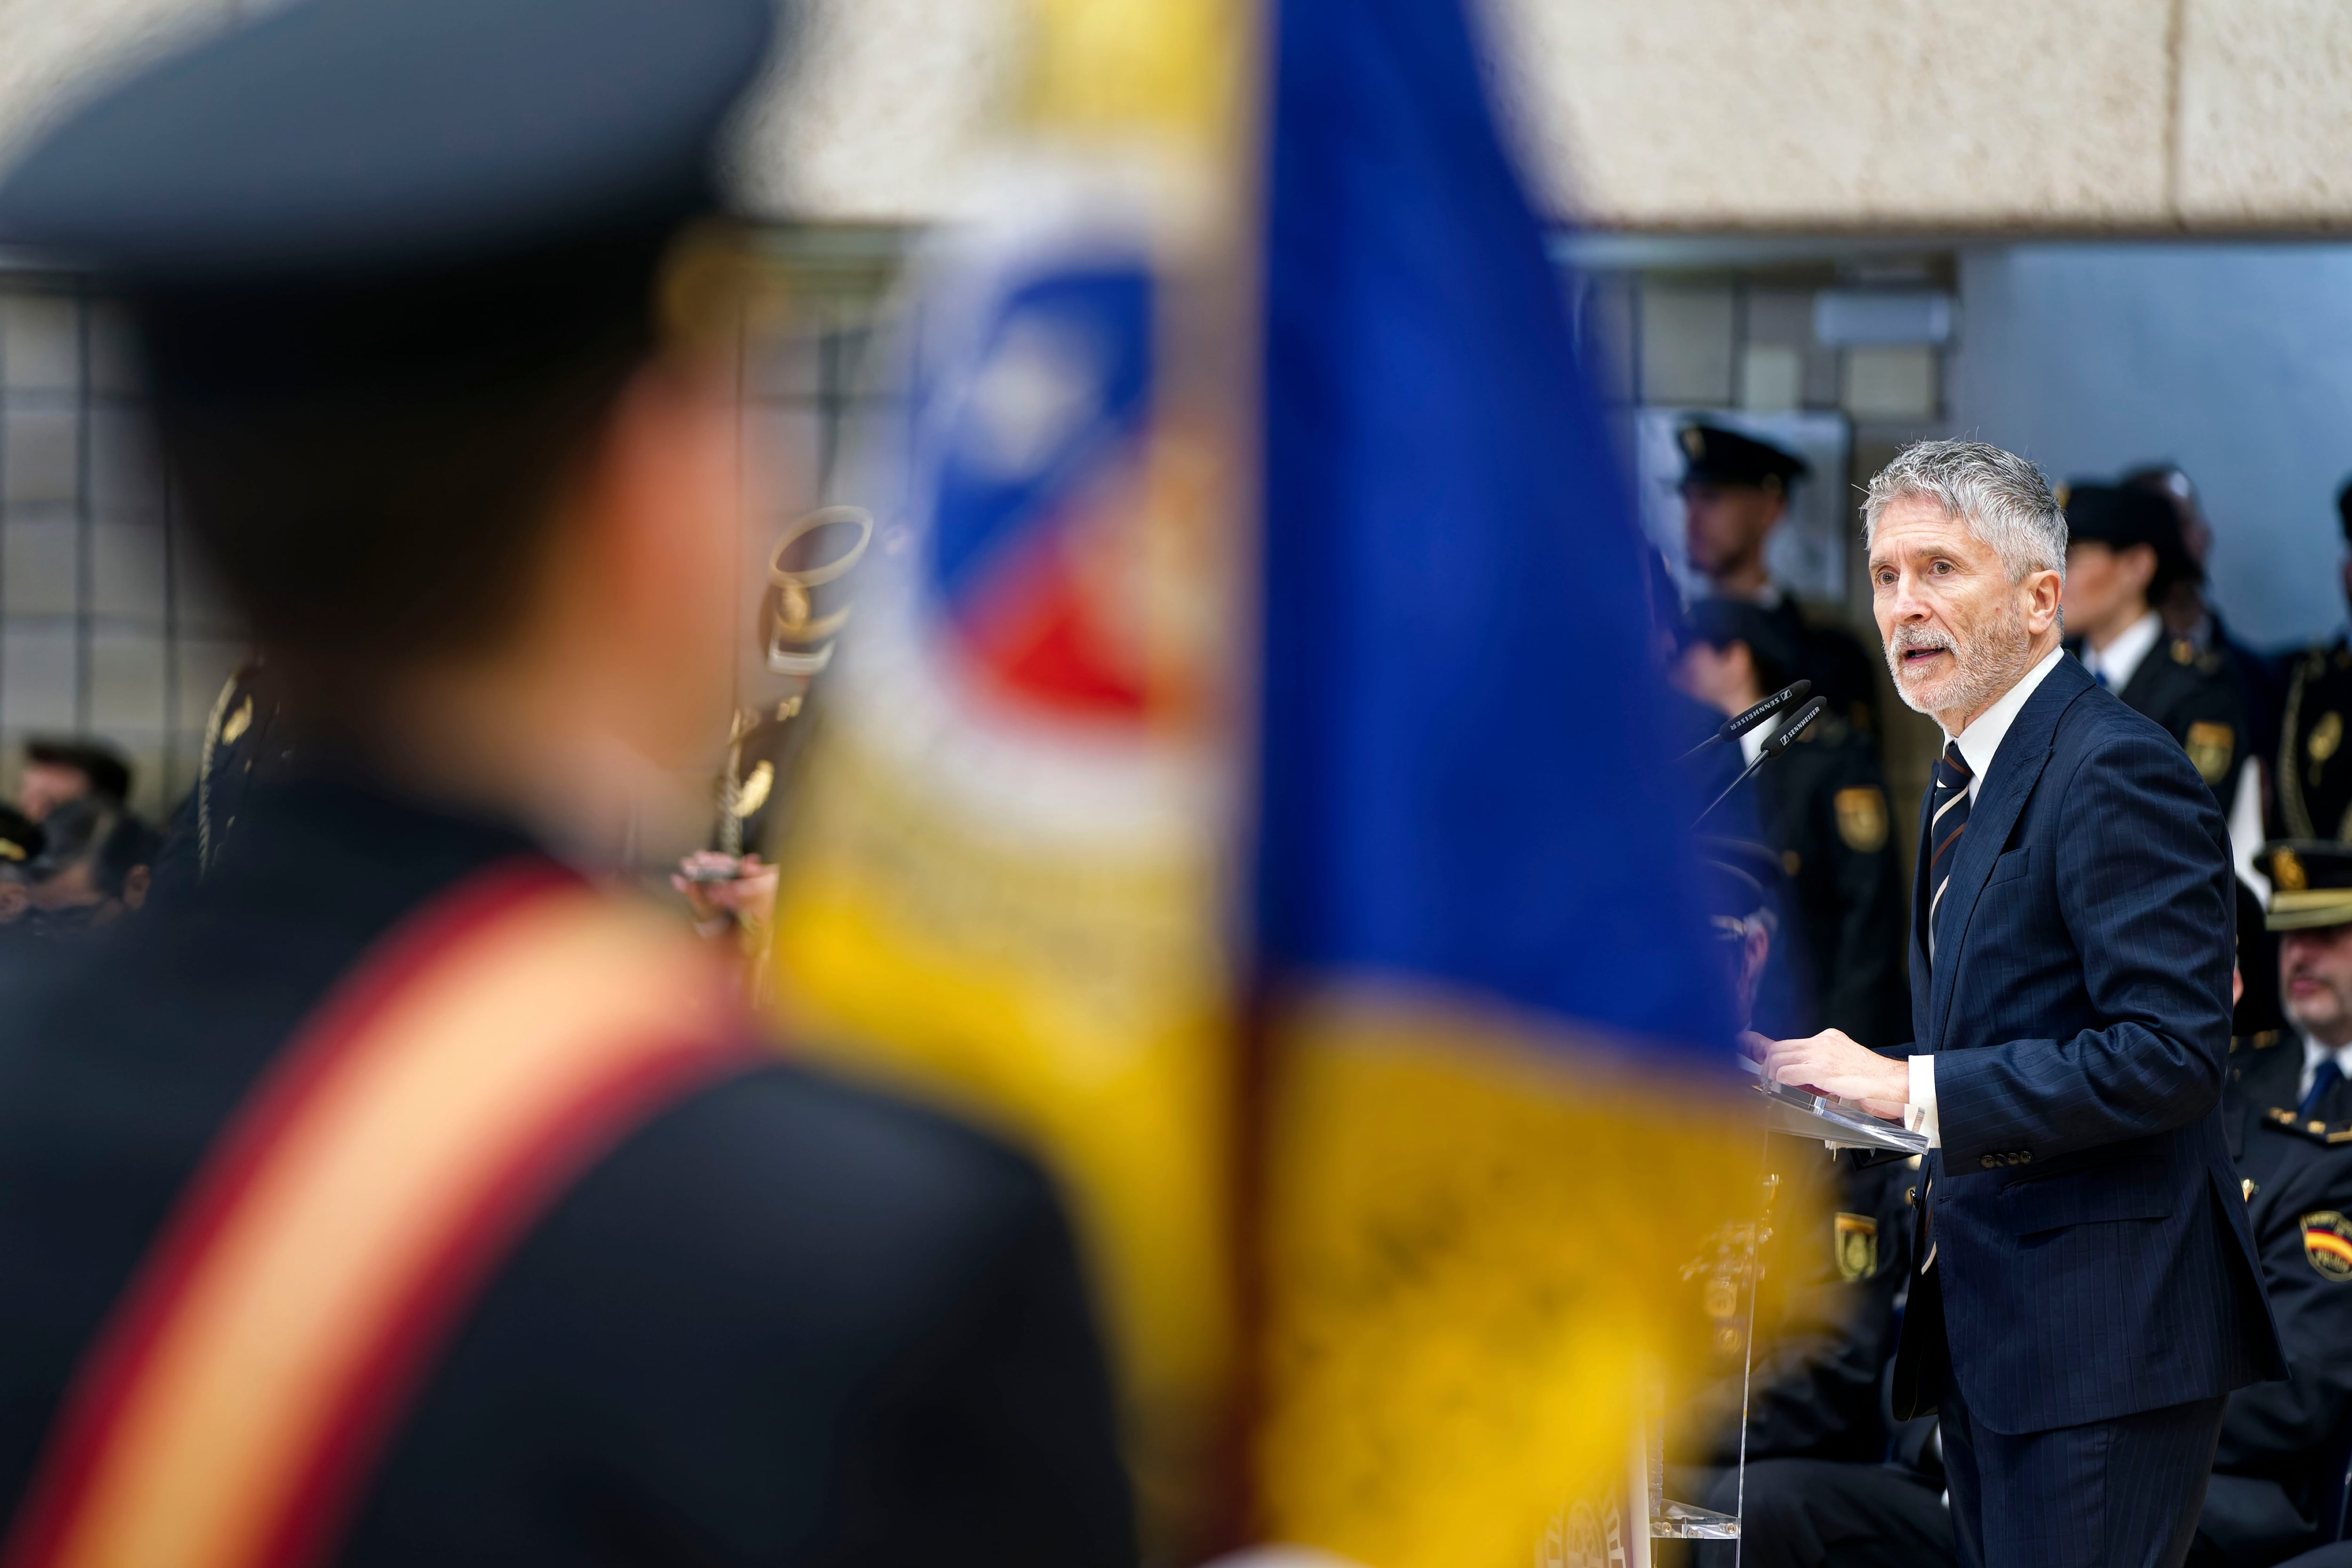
(1945, 828)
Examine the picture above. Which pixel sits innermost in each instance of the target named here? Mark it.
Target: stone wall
(1975, 116)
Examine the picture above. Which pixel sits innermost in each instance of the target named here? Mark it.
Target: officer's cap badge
(2286, 871)
(2328, 1244)
(1862, 818)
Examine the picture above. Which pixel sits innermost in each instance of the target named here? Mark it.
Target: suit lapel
(2007, 785)
(1919, 911)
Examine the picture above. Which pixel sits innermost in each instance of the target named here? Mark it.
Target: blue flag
(1500, 1063)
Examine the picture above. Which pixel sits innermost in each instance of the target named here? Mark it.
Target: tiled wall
(1743, 337)
(105, 626)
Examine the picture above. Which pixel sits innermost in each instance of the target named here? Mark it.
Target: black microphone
(1782, 739)
(1740, 724)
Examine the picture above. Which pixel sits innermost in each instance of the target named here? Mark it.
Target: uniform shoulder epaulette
(2318, 1132)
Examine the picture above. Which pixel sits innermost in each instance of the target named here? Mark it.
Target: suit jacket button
(1989, 1160)
(2025, 1156)
(1911, 1196)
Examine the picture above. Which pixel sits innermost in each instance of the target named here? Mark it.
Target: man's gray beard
(1982, 669)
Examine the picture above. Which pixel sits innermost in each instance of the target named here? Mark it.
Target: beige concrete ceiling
(1958, 116)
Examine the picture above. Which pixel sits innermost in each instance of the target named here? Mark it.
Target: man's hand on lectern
(1832, 1062)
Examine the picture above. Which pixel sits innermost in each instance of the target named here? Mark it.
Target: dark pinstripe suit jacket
(2092, 1252)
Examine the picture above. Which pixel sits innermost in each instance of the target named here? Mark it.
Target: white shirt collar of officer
(2121, 659)
(2313, 1053)
(1980, 741)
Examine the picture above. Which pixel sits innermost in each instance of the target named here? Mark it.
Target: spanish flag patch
(2328, 1244)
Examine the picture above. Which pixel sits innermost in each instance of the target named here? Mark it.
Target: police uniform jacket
(1822, 804)
(2312, 786)
(2277, 1437)
(785, 1322)
(2198, 698)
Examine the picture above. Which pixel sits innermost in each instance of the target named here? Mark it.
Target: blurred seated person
(57, 771)
(1826, 1327)
(1821, 806)
(95, 865)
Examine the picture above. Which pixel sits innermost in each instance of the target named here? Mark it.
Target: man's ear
(2041, 592)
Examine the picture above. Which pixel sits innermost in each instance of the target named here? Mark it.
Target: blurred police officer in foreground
(2312, 785)
(1821, 805)
(1735, 493)
(412, 277)
(2124, 555)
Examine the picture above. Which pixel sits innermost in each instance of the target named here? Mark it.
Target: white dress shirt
(2116, 663)
(1979, 743)
(1751, 744)
(2314, 1054)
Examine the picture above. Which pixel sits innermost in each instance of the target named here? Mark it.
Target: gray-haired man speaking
(2089, 1290)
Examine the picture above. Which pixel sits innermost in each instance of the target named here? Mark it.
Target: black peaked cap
(1714, 456)
(2122, 516)
(374, 137)
(2311, 883)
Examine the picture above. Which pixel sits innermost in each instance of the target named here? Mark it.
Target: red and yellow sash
(483, 1055)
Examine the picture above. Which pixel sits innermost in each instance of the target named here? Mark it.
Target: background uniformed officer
(2310, 787)
(1821, 805)
(1736, 490)
(2191, 616)
(2289, 1122)
(2124, 554)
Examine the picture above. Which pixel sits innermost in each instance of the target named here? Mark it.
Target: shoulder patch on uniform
(2210, 746)
(1862, 818)
(1857, 1239)
(2328, 1244)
